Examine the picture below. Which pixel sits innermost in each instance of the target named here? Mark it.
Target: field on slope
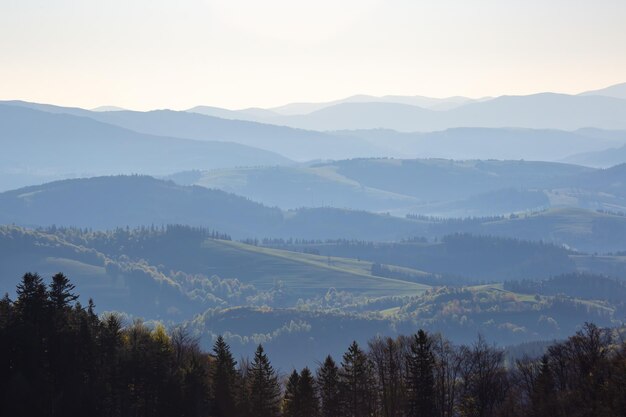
(302, 274)
(121, 267)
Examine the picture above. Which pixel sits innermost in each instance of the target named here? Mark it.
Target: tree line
(59, 358)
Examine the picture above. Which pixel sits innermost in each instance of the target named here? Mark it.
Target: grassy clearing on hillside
(305, 273)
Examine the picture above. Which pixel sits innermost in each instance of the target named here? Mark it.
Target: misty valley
(375, 256)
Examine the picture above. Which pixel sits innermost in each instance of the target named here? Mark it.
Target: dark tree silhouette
(61, 292)
(420, 377)
(263, 385)
(58, 359)
(309, 401)
(224, 393)
(356, 383)
(328, 386)
(292, 406)
(387, 357)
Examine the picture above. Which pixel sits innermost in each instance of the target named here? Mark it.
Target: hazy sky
(145, 54)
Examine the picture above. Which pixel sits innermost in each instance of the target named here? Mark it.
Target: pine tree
(328, 388)
(420, 378)
(264, 386)
(224, 378)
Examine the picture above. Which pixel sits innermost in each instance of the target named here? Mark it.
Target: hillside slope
(166, 272)
(429, 186)
(600, 159)
(492, 143)
(109, 202)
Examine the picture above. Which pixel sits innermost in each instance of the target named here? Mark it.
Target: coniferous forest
(60, 358)
(297, 208)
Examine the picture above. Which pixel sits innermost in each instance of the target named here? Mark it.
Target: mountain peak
(615, 91)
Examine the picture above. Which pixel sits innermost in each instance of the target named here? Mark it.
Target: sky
(147, 54)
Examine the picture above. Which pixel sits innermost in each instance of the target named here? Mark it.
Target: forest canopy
(59, 358)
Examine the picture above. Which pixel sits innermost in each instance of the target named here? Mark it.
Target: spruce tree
(32, 298)
(61, 292)
(328, 388)
(292, 401)
(420, 378)
(243, 399)
(224, 378)
(543, 395)
(308, 400)
(264, 386)
(355, 378)
(6, 310)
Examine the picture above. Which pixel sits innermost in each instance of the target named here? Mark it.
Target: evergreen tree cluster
(58, 358)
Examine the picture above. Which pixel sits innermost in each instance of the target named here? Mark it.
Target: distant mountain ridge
(492, 143)
(38, 146)
(418, 113)
(294, 144)
(398, 186)
(304, 145)
(538, 111)
(291, 109)
(437, 187)
(600, 159)
(108, 108)
(617, 91)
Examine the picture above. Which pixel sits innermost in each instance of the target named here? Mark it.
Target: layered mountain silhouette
(492, 143)
(291, 109)
(601, 159)
(38, 146)
(292, 143)
(108, 202)
(602, 108)
(538, 111)
(50, 142)
(303, 145)
(429, 186)
(111, 202)
(617, 91)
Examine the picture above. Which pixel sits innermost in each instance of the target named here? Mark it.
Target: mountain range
(39, 146)
(111, 140)
(292, 143)
(538, 111)
(602, 108)
(110, 202)
(437, 187)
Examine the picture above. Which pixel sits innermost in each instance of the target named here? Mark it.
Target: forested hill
(482, 258)
(300, 303)
(109, 202)
(119, 201)
(60, 359)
